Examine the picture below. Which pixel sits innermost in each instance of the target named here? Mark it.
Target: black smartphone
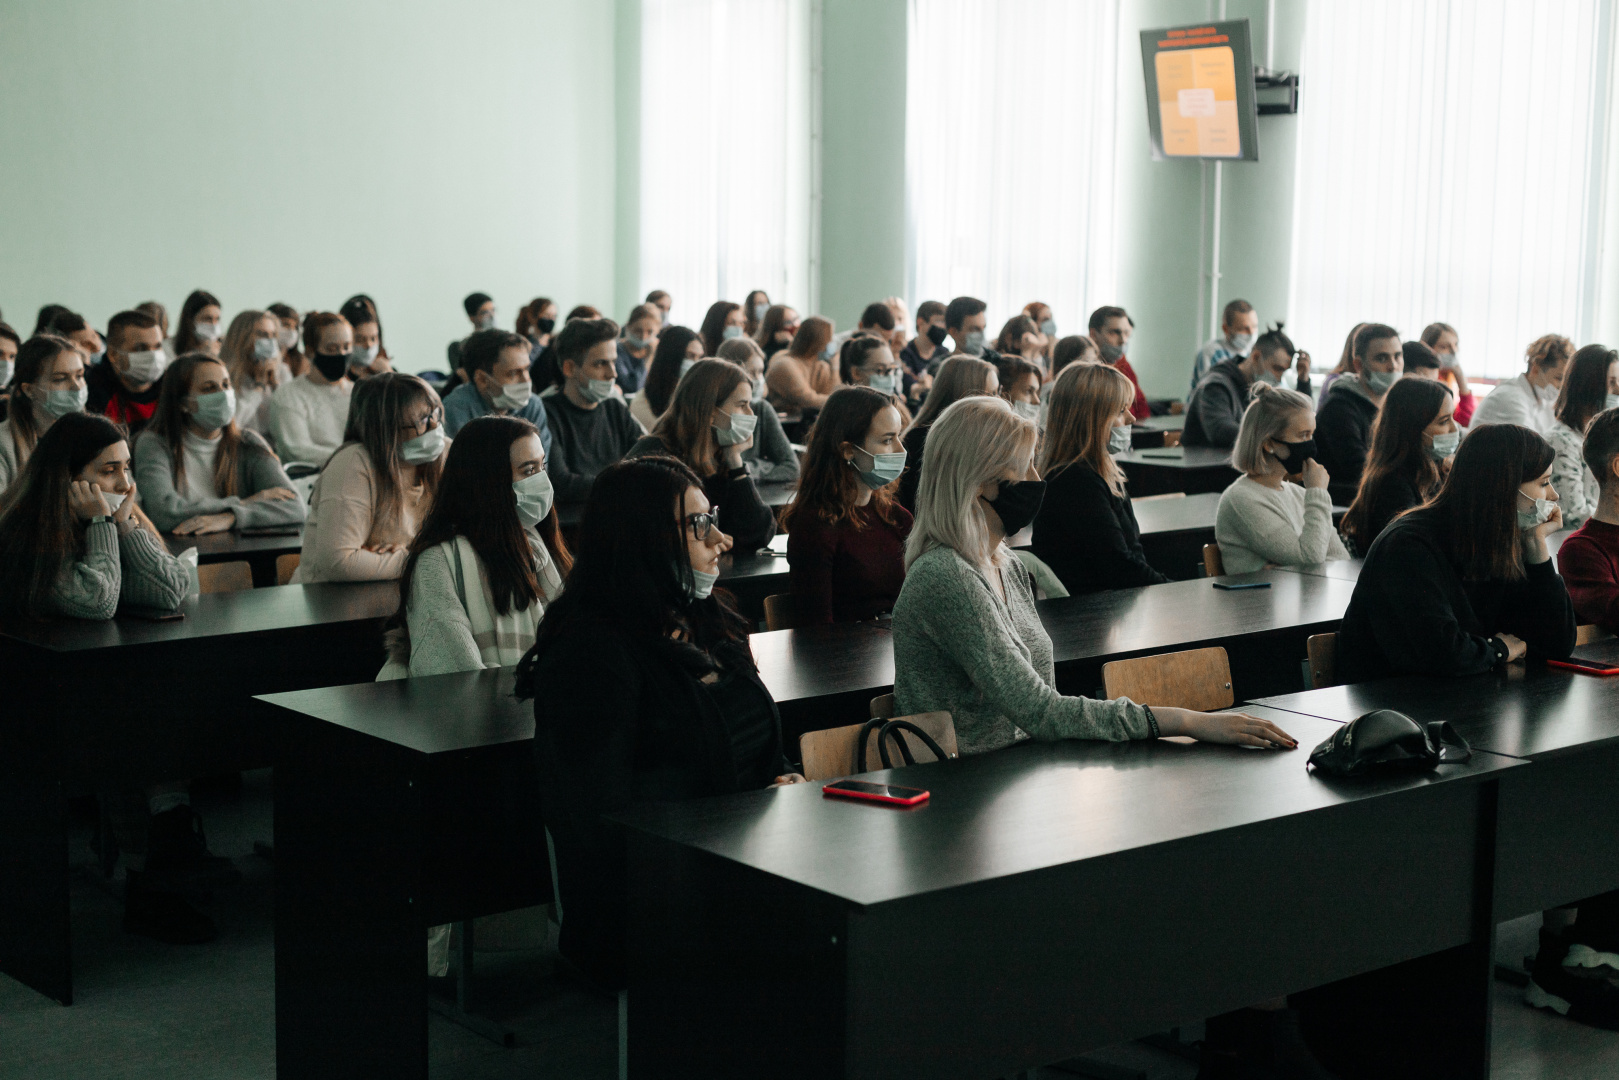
(1232, 586)
(883, 793)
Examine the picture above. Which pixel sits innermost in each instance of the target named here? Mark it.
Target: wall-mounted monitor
(1200, 92)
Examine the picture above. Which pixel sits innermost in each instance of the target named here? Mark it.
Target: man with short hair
(590, 427)
(660, 300)
(1214, 411)
(926, 349)
(480, 311)
(1239, 329)
(125, 385)
(496, 363)
(1343, 428)
(965, 321)
(1111, 328)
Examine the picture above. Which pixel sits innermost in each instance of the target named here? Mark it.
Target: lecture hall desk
(258, 550)
(130, 702)
(1191, 469)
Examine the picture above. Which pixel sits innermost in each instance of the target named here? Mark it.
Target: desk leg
(35, 925)
(263, 568)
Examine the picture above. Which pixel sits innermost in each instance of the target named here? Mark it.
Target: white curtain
(1446, 166)
(724, 134)
(1030, 87)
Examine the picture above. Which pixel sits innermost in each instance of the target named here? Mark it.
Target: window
(724, 151)
(1448, 170)
(1030, 87)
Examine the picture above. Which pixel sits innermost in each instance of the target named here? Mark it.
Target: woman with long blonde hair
(253, 355)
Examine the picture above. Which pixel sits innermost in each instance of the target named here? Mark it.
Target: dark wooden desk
(1020, 917)
(129, 702)
(1149, 433)
(1559, 833)
(259, 552)
(1192, 469)
(1342, 569)
(775, 496)
(751, 577)
(398, 806)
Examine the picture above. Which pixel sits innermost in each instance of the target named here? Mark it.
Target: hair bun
(1276, 327)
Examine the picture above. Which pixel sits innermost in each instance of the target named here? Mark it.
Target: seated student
(370, 356)
(867, 360)
(771, 459)
(1086, 530)
(1264, 519)
(200, 329)
(1443, 340)
(375, 490)
(309, 414)
(967, 639)
(124, 386)
(1215, 409)
(496, 363)
(1413, 442)
(1020, 338)
(724, 322)
(965, 322)
(48, 383)
(958, 377)
(1466, 583)
(252, 353)
(1111, 328)
(661, 300)
(678, 349)
(487, 560)
(800, 378)
(1530, 400)
(480, 311)
(754, 307)
(71, 325)
(1020, 381)
(708, 426)
(845, 533)
(776, 331)
(1239, 329)
(201, 473)
(10, 342)
(288, 336)
(1421, 362)
(644, 690)
(1345, 417)
(590, 428)
(636, 346)
(1589, 560)
(1045, 322)
(536, 321)
(1591, 385)
(925, 351)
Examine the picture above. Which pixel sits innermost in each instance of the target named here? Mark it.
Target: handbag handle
(894, 728)
(1453, 749)
(875, 724)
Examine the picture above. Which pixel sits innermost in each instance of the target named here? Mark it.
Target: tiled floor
(151, 1012)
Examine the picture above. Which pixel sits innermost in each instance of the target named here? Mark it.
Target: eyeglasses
(703, 526)
(425, 424)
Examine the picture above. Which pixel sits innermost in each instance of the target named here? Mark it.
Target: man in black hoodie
(1214, 413)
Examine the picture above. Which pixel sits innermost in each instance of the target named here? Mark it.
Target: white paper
(1198, 101)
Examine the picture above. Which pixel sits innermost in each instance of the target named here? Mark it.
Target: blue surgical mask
(534, 497)
(207, 331)
(214, 411)
(362, 357)
(885, 468)
(7, 367)
(973, 345)
(702, 584)
(1048, 327)
(884, 383)
(1445, 445)
(265, 348)
(829, 352)
(596, 390)
(759, 312)
(1378, 382)
(636, 343)
(759, 389)
(513, 396)
(486, 322)
(1118, 440)
(731, 333)
(685, 366)
(1529, 519)
(61, 402)
(1611, 402)
(740, 431)
(424, 447)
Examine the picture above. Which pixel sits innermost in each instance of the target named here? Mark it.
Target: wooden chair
(882, 707)
(1172, 438)
(1195, 679)
(284, 566)
(1584, 635)
(1322, 650)
(831, 753)
(1159, 498)
(780, 613)
(224, 577)
(1213, 561)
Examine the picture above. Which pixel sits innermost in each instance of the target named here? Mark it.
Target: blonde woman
(1264, 518)
(959, 377)
(1086, 530)
(967, 638)
(257, 363)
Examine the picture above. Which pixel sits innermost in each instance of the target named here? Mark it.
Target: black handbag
(1387, 741)
(892, 728)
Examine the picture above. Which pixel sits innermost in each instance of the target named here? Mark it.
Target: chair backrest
(1160, 497)
(831, 753)
(1322, 650)
(1584, 635)
(285, 565)
(1213, 561)
(1172, 438)
(224, 577)
(1195, 679)
(780, 614)
(882, 707)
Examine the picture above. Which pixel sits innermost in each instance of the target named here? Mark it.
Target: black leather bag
(1387, 741)
(892, 729)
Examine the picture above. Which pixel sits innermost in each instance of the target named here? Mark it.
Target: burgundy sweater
(1589, 563)
(841, 573)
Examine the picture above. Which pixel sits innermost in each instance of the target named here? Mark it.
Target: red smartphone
(1586, 667)
(883, 793)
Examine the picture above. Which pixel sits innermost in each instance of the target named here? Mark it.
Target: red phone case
(833, 791)
(1583, 669)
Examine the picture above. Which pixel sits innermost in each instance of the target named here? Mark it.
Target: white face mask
(266, 348)
(362, 357)
(1029, 410)
(534, 497)
(145, 366)
(1242, 344)
(207, 331)
(740, 431)
(287, 337)
(6, 369)
(115, 499)
(513, 396)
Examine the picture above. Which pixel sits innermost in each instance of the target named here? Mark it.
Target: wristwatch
(100, 518)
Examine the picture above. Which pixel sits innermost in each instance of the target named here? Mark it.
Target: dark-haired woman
(487, 560)
(678, 349)
(48, 382)
(710, 423)
(645, 690)
(1020, 380)
(200, 472)
(958, 377)
(201, 327)
(771, 460)
(1591, 385)
(1413, 441)
(370, 356)
(723, 322)
(867, 360)
(754, 309)
(846, 532)
(10, 343)
(375, 490)
(776, 331)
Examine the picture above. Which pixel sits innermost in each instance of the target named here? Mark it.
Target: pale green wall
(306, 150)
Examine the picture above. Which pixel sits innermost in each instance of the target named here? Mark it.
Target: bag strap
(1453, 749)
(894, 728)
(860, 747)
(460, 573)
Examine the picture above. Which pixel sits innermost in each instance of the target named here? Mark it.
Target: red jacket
(1589, 563)
(1139, 408)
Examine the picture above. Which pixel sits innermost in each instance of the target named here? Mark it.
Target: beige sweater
(343, 520)
(797, 384)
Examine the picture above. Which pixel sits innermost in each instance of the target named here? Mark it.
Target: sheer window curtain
(1448, 170)
(724, 151)
(1032, 217)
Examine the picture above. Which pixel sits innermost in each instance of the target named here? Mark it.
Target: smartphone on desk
(1233, 586)
(892, 794)
(150, 614)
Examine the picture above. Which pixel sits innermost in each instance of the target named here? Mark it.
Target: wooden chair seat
(1322, 650)
(831, 753)
(1213, 561)
(224, 577)
(285, 565)
(780, 612)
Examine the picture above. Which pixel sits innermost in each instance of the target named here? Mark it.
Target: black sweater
(1343, 435)
(1392, 497)
(915, 442)
(1412, 614)
(1088, 535)
(584, 442)
(743, 514)
(618, 722)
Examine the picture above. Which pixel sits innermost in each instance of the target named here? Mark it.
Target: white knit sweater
(1258, 526)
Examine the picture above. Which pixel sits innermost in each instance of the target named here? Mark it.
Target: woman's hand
(1302, 368)
(205, 523)
(1314, 474)
(1234, 728)
(1516, 649)
(790, 778)
(127, 509)
(84, 499)
(277, 494)
(1550, 525)
(383, 549)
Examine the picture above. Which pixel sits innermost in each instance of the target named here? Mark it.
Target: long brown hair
(713, 329)
(959, 377)
(185, 334)
(35, 358)
(169, 424)
(1478, 504)
(774, 322)
(828, 485)
(1398, 451)
(238, 356)
(1585, 386)
(1085, 400)
(376, 411)
(686, 429)
(813, 334)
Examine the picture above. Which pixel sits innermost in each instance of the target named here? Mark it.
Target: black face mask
(1017, 503)
(937, 334)
(1297, 454)
(545, 325)
(332, 366)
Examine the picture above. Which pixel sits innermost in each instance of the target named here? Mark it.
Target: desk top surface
(1342, 569)
(250, 611)
(1020, 810)
(1166, 422)
(743, 565)
(772, 495)
(220, 546)
(1178, 457)
(1521, 711)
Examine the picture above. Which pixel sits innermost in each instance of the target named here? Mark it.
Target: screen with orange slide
(1200, 92)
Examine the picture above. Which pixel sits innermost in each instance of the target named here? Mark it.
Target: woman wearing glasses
(866, 360)
(644, 690)
(376, 489)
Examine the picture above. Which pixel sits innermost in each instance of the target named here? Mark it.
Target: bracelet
(1152, 723)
